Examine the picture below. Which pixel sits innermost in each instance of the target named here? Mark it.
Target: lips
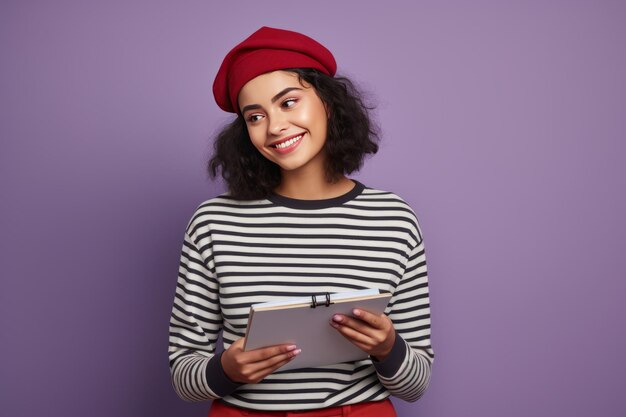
(293, 145)
(278, 142)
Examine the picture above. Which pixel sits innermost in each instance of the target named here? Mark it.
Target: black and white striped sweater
(236, 253)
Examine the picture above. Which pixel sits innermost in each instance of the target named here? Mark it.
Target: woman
(292, 224)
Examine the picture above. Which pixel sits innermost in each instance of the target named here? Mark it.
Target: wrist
(382, 356)
(388, 366)
(224, 370)
(385, 353)
(217, 379)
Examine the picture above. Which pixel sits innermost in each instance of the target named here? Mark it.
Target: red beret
(267, 49)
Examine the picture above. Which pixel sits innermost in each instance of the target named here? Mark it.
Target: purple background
(504, 127)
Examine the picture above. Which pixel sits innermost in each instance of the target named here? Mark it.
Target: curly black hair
(351, 134)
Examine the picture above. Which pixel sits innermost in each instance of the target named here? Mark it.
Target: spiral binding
(314, 302)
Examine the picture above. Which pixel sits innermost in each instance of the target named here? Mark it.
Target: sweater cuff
(389, 367)
(217, 379)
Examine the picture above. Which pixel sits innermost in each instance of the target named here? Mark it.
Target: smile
(289, 145)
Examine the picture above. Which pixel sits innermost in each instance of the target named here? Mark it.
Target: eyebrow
(276, 97)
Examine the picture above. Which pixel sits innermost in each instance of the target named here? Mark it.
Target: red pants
(370, 409)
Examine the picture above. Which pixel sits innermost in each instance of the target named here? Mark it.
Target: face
(277, 107)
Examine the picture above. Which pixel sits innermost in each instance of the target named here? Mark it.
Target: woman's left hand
(372, 333)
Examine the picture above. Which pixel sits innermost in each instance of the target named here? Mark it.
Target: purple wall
(504, 128)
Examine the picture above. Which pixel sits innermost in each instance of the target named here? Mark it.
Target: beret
(267, 49)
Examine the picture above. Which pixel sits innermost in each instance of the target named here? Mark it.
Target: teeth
(289, 142)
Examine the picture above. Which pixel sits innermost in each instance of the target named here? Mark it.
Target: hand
(254, 365)
(372, 333)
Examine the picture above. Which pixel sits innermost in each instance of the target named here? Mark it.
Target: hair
(350, 136)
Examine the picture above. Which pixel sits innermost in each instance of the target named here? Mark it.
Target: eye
(252, 119)
(295, 100)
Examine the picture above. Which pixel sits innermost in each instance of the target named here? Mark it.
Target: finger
(272, 361)
(262, 373)
(356, 324)
(261, 354)
(239, 343)
(357, 340)
(355, 335)
(375, 320)
(259, 376)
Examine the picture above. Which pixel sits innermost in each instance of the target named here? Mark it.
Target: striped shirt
(240, 252)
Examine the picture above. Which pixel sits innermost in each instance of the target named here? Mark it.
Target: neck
(312, 187)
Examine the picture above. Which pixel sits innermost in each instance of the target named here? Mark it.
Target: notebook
(304, 321)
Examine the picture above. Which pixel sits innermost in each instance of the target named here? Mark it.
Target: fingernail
(337, 317)
(357, 312)
(291, 347)
(296, 352)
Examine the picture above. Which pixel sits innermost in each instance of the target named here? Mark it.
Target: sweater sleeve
(405, 372)
(195, 323)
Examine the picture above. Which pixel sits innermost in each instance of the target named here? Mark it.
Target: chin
(292, 165)
(289, 167)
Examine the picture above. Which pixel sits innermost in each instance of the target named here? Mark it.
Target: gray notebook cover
(309, 329)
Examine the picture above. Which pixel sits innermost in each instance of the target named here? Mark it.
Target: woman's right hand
(250, 367)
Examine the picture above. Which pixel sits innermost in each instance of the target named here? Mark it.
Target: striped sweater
(236, 253)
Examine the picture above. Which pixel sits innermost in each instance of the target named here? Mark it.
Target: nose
(277, 123)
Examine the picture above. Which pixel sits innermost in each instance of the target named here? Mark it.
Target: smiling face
(276, 107)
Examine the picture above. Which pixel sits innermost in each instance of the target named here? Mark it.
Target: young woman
(291, 225)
